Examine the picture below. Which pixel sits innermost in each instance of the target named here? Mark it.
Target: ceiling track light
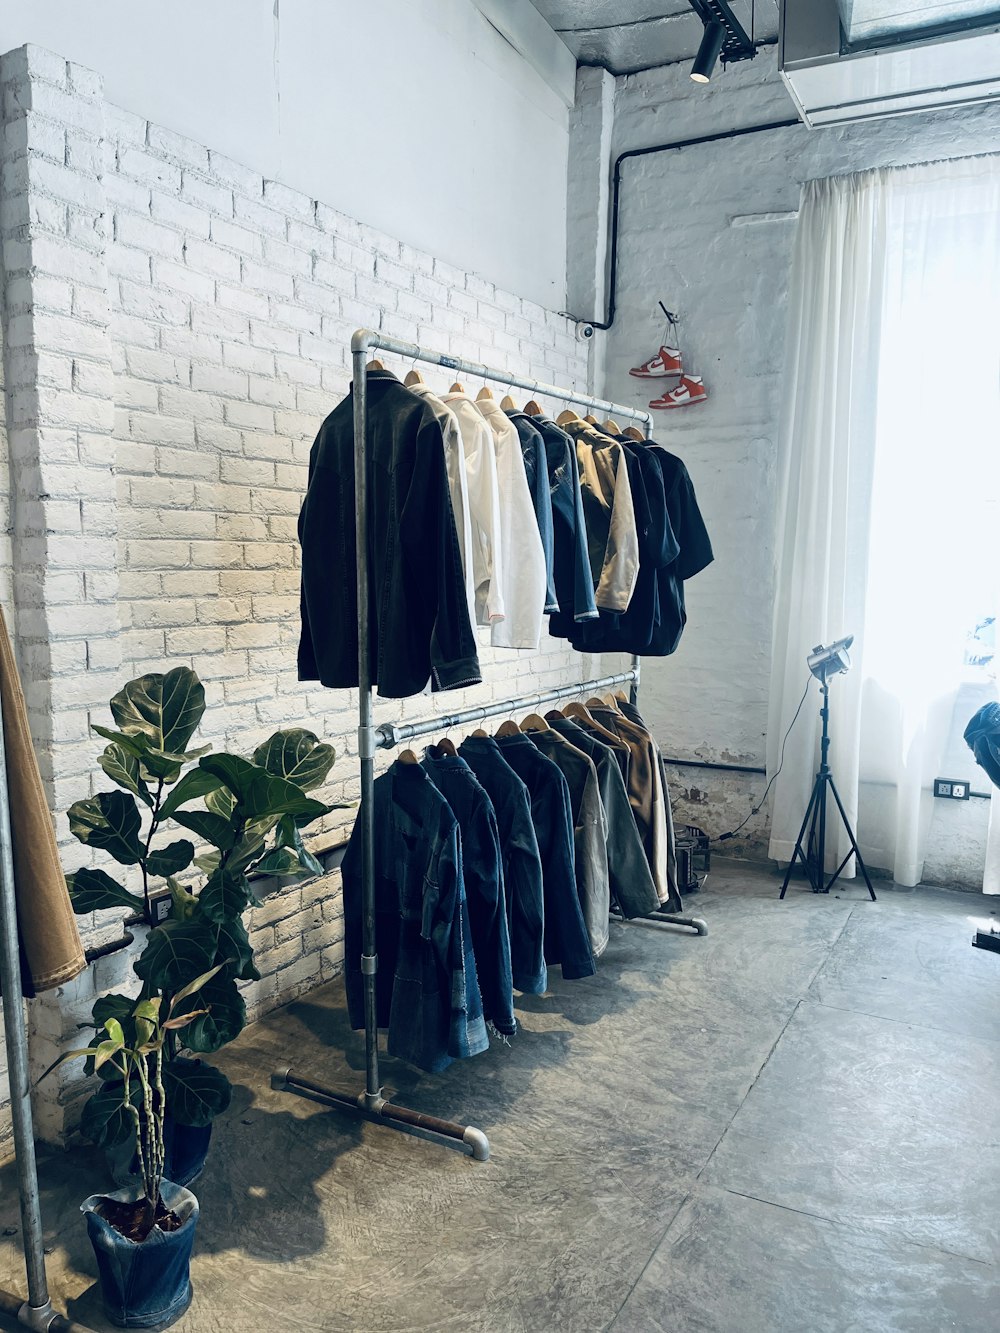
(724, 37)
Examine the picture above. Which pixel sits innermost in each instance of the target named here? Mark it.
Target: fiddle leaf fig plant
(250, 813)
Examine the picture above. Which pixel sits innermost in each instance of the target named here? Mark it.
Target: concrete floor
(791, 1125)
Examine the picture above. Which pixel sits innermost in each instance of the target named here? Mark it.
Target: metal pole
(37, 1311)
(399, 733)
(366, 739)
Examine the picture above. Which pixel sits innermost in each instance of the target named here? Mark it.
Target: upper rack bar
(366, 338)
(398, 733)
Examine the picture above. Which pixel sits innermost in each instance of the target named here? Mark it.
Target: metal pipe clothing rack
(371, 1104)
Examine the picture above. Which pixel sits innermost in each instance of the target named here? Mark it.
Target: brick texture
(177, 329)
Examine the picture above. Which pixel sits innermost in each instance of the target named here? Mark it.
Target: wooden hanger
(634, 434)
(564, 418)
(532, 409)
(447, 746)
(508, 404)
(414, 377)
(591, 421)
(508, 728)
(595, 702)
(579, 711)
(457, 387)
(621, 697)
(485, 394)
(612, 427)
(408, 757)
(611, 701)
(375, 364)
(534, 722)
(481, 734)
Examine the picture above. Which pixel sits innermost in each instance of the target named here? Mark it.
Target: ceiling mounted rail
(737, 44)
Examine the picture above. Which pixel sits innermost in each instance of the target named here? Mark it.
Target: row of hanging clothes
(483, 514)
(499, 858)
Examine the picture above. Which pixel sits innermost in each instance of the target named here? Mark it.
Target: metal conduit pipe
(616, 198)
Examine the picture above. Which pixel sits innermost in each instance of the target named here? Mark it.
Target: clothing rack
(371, 1104)
(36, 1312)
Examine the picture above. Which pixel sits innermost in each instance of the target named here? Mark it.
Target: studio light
(830, 661)
(708, 53)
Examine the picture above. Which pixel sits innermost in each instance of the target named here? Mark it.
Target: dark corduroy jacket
(419, 624)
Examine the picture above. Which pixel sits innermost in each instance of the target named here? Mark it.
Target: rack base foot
(379, 1111)
(41, 1318)
(695, 923)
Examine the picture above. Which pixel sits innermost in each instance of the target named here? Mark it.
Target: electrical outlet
(949, 789)
(160, 905)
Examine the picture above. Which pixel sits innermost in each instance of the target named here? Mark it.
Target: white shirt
(458, 484)
(524, 556)
(484, 508)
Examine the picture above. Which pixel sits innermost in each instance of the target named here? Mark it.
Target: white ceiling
(629, 35)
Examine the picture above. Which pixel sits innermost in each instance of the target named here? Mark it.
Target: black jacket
(419, 623)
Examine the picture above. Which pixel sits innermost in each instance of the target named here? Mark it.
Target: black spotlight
(708, 53)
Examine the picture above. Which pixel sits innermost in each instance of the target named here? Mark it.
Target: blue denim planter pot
(147, 1285)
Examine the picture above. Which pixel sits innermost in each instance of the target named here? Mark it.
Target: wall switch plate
(950, 789)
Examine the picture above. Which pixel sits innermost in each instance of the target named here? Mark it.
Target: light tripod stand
(810, 846)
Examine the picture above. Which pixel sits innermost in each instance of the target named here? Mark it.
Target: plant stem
(154, 824)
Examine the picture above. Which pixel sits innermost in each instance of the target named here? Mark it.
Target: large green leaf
(171, 860)
(280, 861)
(174, 953)
(136, 745)
(235, 949)
(112, 1006)
(224, 1021)
(106, 1120)
(221, 801)
(122, 766)
(109, 821)
(249, 849)
(289, 836)
(196, 1092)
(213, 828)
(297, 755)
(193, 784)
(224, 896)
(258, 793)
(165, 708)
(94, 891)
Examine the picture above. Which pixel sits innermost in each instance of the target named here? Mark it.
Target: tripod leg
(806, 824)
(854, 843)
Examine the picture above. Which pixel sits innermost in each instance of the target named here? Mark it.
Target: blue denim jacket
(566, 938)
(522, 864)
(537, 472)
(484, 885)
(427, 991)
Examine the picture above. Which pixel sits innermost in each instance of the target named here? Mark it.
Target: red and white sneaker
(690, 390)
(667, 361)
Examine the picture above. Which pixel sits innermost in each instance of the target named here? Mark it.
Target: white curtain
(890, 488)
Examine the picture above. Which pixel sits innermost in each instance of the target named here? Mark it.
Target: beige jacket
(524, 557)
(612, 537)
(51, 952)
(484, 508)
(458, 484)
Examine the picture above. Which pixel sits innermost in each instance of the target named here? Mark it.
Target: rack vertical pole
(366, 735)
(36, 1312)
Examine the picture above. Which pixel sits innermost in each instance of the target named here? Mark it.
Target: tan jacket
(51, 952)
(612, 536)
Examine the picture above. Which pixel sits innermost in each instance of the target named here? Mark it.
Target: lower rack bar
(380, 1111)
(695, 923)
(398, 733)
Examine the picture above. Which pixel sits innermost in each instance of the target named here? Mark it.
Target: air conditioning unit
(852, 60)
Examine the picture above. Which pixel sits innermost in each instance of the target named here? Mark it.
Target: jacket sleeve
(484, 504)
(584, 604)
(429, 518)
(621, 557)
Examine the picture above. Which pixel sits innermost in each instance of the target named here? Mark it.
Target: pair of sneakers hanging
(668, 364)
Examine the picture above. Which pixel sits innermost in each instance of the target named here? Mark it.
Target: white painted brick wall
(190, 322)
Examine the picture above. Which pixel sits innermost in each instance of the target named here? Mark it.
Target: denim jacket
(427, 993)
(522, 864)
(484, 886)
(590, 832)
(566, 938)
(629, 875)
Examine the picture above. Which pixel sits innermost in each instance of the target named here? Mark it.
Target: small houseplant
(143, 1235)
(250, 813)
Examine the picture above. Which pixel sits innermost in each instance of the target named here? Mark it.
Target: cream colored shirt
(524, 556)
(484, 508)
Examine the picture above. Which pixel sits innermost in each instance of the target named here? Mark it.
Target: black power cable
(724, 837)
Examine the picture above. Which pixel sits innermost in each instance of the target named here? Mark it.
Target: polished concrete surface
(790, 1126)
